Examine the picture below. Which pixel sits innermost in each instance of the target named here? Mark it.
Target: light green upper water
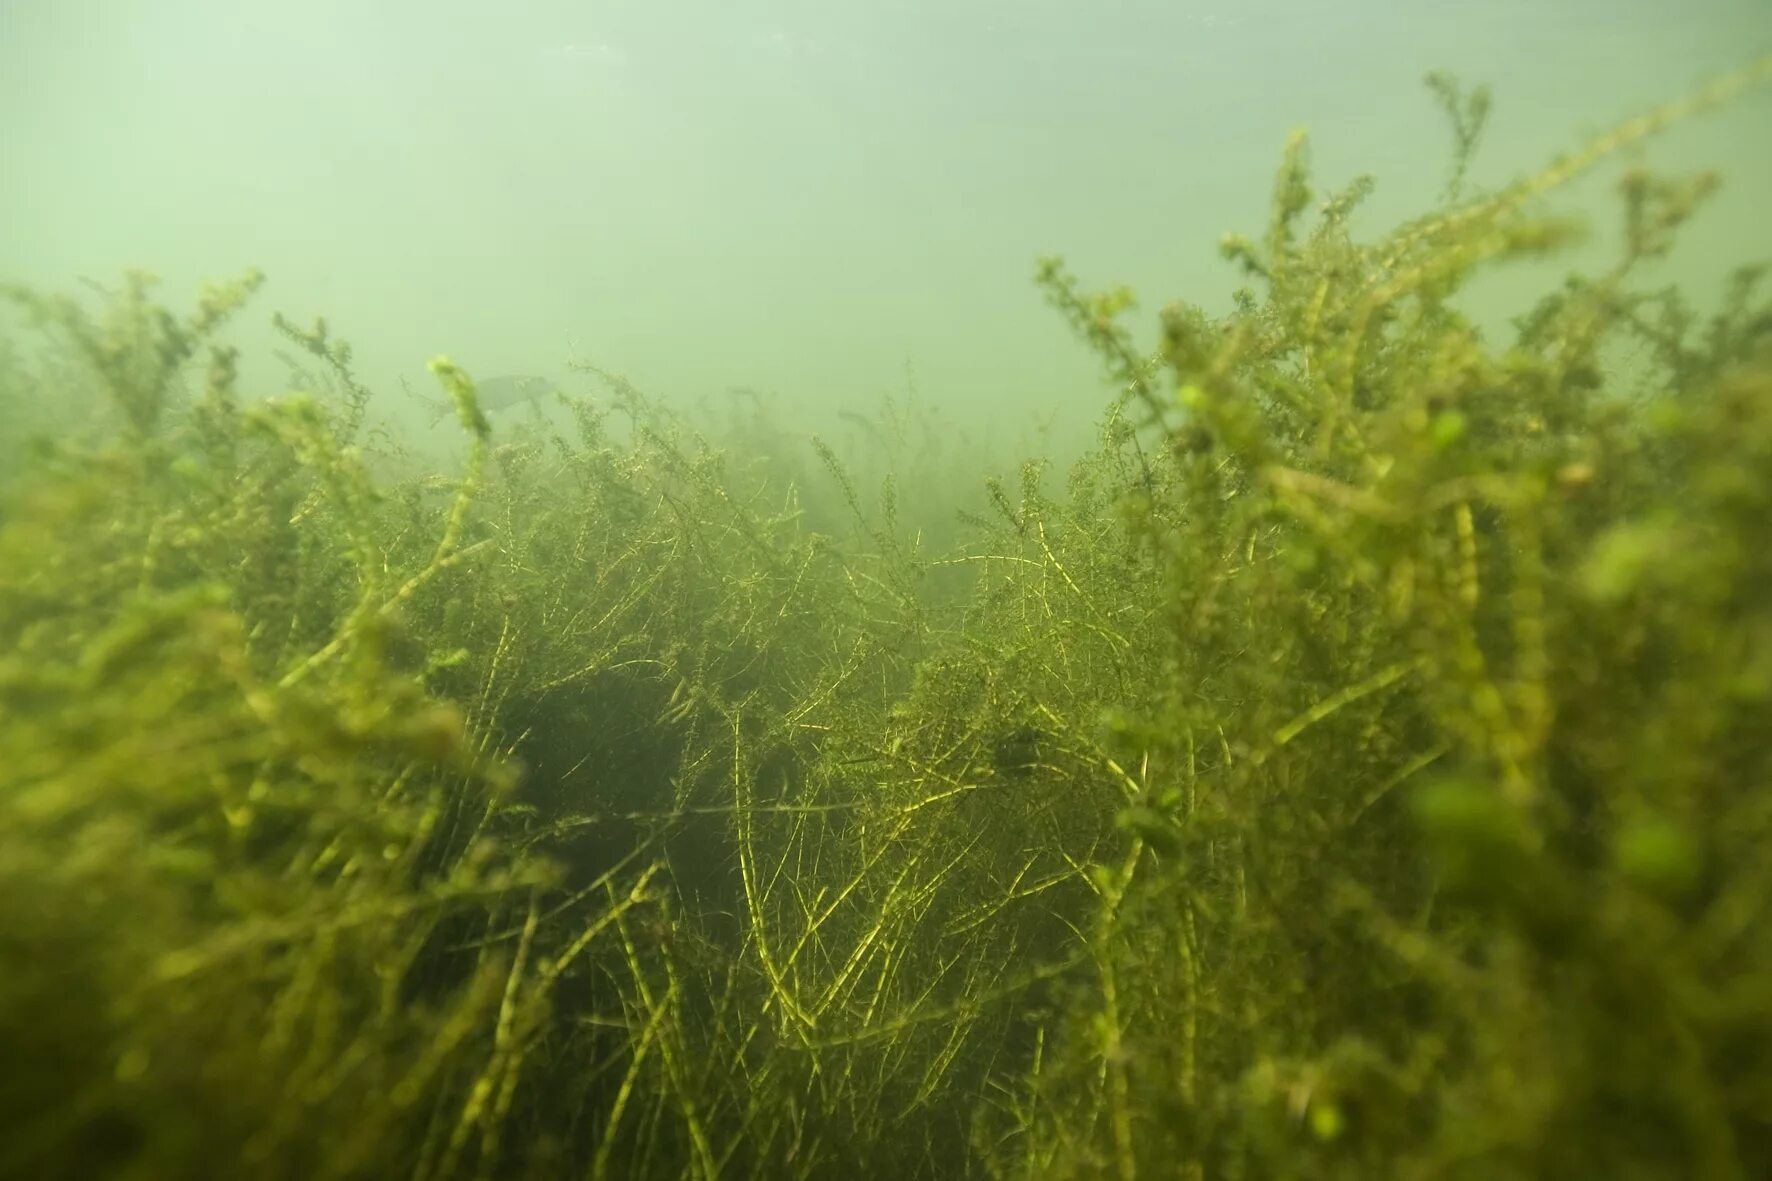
(800, 197)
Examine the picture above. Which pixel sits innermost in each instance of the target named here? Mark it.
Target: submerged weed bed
(1357, 768)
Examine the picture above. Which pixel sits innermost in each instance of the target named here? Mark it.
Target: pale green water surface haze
(798, 197)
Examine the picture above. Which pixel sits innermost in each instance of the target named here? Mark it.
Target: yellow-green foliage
(1354, 768)
(221, 804)
(1459, 765)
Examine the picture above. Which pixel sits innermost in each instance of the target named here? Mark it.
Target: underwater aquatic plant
(1440, 884)
(1352, 770)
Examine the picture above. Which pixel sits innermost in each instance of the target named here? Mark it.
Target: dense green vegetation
(1355, 766)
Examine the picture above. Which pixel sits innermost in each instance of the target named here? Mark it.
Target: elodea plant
(1451, 853)
(1355, 766)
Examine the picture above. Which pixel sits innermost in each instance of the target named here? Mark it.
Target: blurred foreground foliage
(1358, 766)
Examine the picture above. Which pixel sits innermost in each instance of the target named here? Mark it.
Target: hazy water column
(795, 196)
